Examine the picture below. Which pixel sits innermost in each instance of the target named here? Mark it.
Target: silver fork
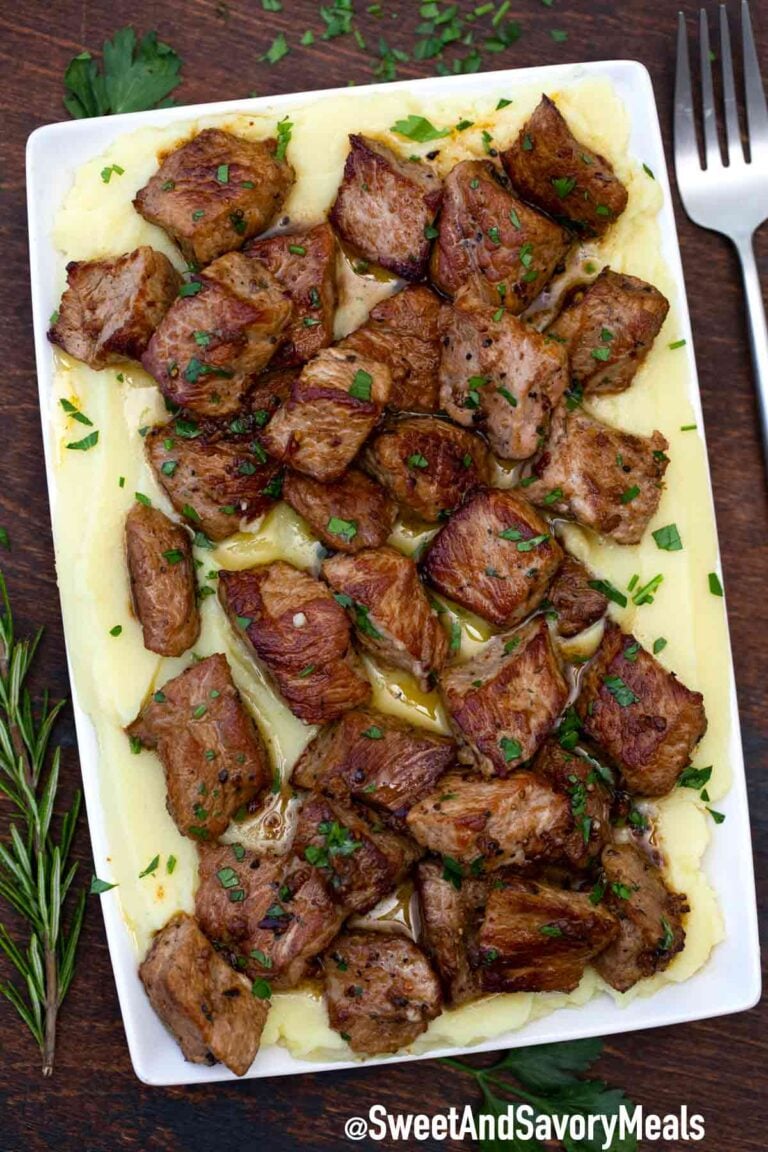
(729, 197)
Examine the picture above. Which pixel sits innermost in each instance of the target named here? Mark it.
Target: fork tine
(733, 131)
(711, 143)
(757, 111)
(686, 147)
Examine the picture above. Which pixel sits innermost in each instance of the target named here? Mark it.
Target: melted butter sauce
(114, 675)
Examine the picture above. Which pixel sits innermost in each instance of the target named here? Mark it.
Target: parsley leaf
(549, 1076)
(134, 75)
(419, 129)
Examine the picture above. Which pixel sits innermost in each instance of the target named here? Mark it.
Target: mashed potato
(114, 674)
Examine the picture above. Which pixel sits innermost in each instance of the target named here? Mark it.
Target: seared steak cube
(209, 1008)
(501, 376)
(209, 345)
(214, 192)
(361, 860)
(392, 615)
(482, 824)
(347, 514)
(428, 465)
(495, 556)
(402, 333)
(603, 478)
(333, 407)
(608, 330)
(552, 169)
(211, 750)
(576, 598)
(490, 243)
(375, 758)
(650, 917)
(110, 308)
(162, 579)
(269, 915)
(385, 205)
(216, 483)
(304, 265)
(300, 635)
(451, 909)
(645, 720)
(538, 938)
(504, 701)
(380, 990)
(575, 776)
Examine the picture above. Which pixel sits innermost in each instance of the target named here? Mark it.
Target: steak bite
(266, 393)
(575, 776)
(553, 170)
(207, 1007)
(215, 191)
(215, 483)
(599, 476)
(498, 249)
(428, 465)
(608, 329)
(300, 635)
(504, 701)
(210, 344)
(645, 720)
(361, 860)
(501, 376)
(650, 918)
(496, 556)
(484, 824)
(538, 938)
(270, 915)
(162, 578)
(451, 910)
(347, 514)
(375, 758)
(110, 308)
(385, 205)
(575, 599)
(393, 617)
(334, 405)
(304, 265)
(402, 333)
(380, 991)
(211, 750)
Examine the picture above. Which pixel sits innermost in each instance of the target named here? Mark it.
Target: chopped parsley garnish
(346, 529)
(89, 441)
(117, 630)
(373, 733)
(417, 461)
(609, 591)
(284, 133)
(621, 692)
(659, 645)
(676, 344)
(563, 185)
(276, 51)
(668, 538)
(715, 586)
(361, 385)
(511, 749)
(697, 778)
(150, 868)
(550, 930)
(419, 129)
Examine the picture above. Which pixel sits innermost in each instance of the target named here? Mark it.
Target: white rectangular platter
(730, 981)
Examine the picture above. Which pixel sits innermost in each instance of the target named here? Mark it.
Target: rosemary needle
(35, 878)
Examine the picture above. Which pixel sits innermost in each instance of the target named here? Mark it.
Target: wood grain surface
(94, 1102)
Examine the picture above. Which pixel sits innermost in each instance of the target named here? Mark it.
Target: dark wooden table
(94, 1102)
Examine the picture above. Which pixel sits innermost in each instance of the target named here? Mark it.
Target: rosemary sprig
(35, 878)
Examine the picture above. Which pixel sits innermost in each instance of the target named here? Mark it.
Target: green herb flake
(668, 538)
(150, 868)
(715, 587)
(419, 129)
(361, 385)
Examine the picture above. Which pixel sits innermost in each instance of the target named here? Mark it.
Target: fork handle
(758, 329)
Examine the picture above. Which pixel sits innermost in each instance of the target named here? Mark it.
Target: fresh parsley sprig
(35, 877)
(134, 75)
(549, 1078)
